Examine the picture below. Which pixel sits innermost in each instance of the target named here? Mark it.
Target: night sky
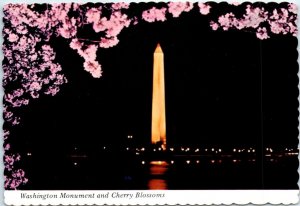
(222, 88)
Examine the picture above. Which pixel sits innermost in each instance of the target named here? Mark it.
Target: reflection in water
(157, 184)
(157, 180)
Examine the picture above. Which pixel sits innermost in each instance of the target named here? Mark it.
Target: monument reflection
(158, 170)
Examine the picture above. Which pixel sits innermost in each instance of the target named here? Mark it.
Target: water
(126, 173)
(157, 179)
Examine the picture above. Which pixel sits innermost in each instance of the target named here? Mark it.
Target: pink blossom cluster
(54, 19)
(204, 8)
(120, 5)
(27, 67)
(16, 177)
(154, 14)
(111, 27)
(176, 8)
(279, 21)
(89, 55)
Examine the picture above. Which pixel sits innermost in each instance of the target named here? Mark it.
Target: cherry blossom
(279, 21)
(293, 8)
(89, 55)
(106, 43)
(176, 8)
(262, 33)
(154, 14)
(214, 25)
(204, 8)
(120, 5)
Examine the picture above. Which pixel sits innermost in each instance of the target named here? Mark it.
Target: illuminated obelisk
(158, 132)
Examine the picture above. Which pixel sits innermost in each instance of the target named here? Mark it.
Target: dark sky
(222, 88)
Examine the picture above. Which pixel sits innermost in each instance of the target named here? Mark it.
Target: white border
(182, 197)
(158, 197)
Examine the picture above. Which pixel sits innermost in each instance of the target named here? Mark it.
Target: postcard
(150, 103)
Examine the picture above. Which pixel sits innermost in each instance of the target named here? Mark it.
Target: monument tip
(158, 49)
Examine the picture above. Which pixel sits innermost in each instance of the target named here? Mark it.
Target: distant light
(137, 153)
(159, 149)
(234, 161)
(253, 150)
(220, 150)
(239, 150)
(234, 150)
(197, 150)
(271, 150)
(154, 150)
(248, 150)
(143, 149)
(182, 149)
(188, 161)
(212, 149)
(205, 150)
(267, 149)
(75, 148)
(172, 149)
(75, 163)
(104, 147)
(127, 148)
(172, 162)
(143, 162)
(197, 161)
(158, 163)
(220, 161)
(28, 154)
(212, 161)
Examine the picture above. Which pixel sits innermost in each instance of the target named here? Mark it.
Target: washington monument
(158, 127)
